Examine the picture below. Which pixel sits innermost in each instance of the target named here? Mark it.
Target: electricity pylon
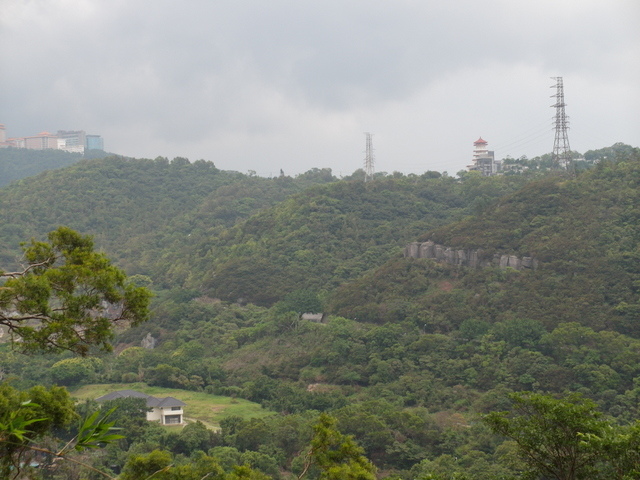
(561, 156)
(368, 159)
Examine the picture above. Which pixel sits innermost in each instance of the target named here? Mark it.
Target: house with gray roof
(167, 411)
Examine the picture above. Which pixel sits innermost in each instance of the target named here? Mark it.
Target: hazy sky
(264, 85)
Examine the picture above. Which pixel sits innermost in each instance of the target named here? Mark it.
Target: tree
(142, 466)
(194, 436)
(71, 371)
(27, 418)
(336, 455)
(302, 301)
(130, 415)
(160, 465)
(620, 447)
(67, 296)
(552, 435)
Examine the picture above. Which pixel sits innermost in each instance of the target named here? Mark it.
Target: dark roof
(151, 401)
(164, 402)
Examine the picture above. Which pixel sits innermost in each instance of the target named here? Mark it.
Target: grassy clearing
(209, 409)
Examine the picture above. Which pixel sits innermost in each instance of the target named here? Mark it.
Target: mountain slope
(17, 163)
(140, 211)
(584, 232)
(328, 234)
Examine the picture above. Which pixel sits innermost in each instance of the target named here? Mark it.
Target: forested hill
(139, 211)
(191, 224)
(411, 354)
(17, 163)
(250, 239)
(415, 352)
(585, 233)
(328, 234)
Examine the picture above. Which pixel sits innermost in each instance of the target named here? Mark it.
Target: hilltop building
(41, 141)
(94, 142)
(75, 141)
(483, 159)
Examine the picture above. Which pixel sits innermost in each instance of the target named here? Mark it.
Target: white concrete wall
(155, 415)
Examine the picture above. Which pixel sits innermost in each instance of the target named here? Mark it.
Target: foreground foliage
(67, 296)
(568, 439)
(27, 422)
(337, 456)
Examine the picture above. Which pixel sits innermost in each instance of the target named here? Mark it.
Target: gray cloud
(265, 85)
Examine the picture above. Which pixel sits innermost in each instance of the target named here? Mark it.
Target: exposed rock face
(148, 342)
(467, 258)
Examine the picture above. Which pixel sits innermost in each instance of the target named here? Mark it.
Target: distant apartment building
(76, 141)
(41, 141)
(484, 160)
(94, 142)
(72, 140)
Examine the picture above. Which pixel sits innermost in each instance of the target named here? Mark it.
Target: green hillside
(328, 234)
(191, 225)
(412, 353)
(141, 212)
(17, 163)
(584, 232)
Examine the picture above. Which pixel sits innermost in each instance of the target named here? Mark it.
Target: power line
(527, 136)
(524, 143)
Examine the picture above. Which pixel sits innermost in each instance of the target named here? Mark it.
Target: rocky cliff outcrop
(467, 258)
(149, 342)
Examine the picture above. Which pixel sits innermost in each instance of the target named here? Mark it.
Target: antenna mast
(561, 157)
(368, 159)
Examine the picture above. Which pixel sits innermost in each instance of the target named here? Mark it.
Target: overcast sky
(269, 85)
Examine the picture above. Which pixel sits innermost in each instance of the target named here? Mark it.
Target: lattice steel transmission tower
(368, 159)
(561, 157)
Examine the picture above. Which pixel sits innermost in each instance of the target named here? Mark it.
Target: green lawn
(209, 409)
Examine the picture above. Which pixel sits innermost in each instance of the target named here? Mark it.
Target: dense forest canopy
(411, 354)
(326, 235)
(138, 210)
(17, 163)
